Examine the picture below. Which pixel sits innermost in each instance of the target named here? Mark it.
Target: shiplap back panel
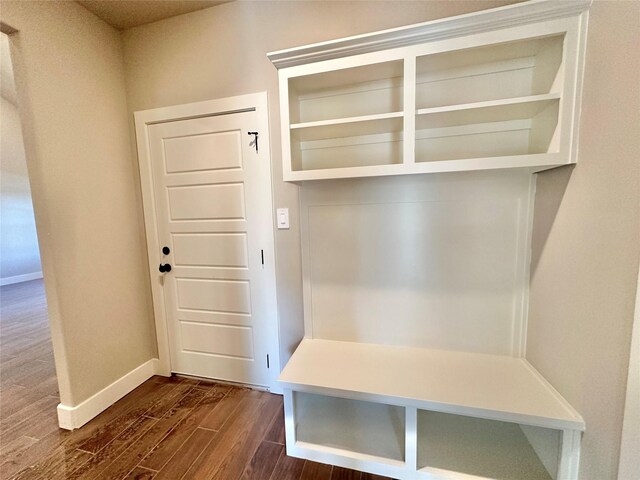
(436, 261)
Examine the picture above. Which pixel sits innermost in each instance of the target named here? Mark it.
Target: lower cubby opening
(486, 448)
(351, 426)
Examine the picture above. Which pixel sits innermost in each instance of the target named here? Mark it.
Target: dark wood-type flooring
(168, 428)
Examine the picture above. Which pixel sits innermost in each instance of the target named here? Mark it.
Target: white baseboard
(71, 418)
(20, 278)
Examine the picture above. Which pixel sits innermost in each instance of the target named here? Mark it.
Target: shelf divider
(348, 127)
(346, 120)
(490, 103)
(409, 106)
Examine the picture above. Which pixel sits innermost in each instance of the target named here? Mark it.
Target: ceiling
(123, 14)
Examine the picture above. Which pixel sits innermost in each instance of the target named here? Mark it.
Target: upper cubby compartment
(496, 100)
(498, 128)
(353, 142)
(346, 93)
(502, 71)
(350, 117)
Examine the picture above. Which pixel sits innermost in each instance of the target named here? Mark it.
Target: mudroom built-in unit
(416, 151)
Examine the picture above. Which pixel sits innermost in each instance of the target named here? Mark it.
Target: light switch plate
(282, 218)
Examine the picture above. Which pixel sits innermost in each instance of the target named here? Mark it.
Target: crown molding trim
(477, 22)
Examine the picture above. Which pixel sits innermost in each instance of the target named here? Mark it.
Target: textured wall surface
(71, 90)
(586, 243)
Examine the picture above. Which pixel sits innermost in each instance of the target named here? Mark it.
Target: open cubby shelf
(366, 428)
(350, 142)
(495, 89)
(349, 92)
(510, 127)
(497, 128)
(422, 413)
(507, 98)
(490, 72)
(480, 447)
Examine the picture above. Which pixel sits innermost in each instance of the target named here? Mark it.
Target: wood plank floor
(168, 428)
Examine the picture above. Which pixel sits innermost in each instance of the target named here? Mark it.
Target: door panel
(215, 295)
(230, 341)
(207, 202)
(192, 153)
(219, 318)
(211, 250)
(209, 189)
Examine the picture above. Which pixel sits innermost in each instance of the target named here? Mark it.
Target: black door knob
(166, 250)
(164, 268)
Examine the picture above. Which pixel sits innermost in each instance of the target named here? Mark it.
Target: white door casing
(215, 311)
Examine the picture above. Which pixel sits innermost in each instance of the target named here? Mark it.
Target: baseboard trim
(71, 418)
(20, 278)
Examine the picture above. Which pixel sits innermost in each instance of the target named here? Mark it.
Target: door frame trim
(145, 118)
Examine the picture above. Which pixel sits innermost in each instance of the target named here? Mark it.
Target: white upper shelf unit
(494, 89)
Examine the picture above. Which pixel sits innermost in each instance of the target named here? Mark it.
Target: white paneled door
(213, 220)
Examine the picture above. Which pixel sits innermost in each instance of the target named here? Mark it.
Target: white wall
(19, 255)
(71, 90)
